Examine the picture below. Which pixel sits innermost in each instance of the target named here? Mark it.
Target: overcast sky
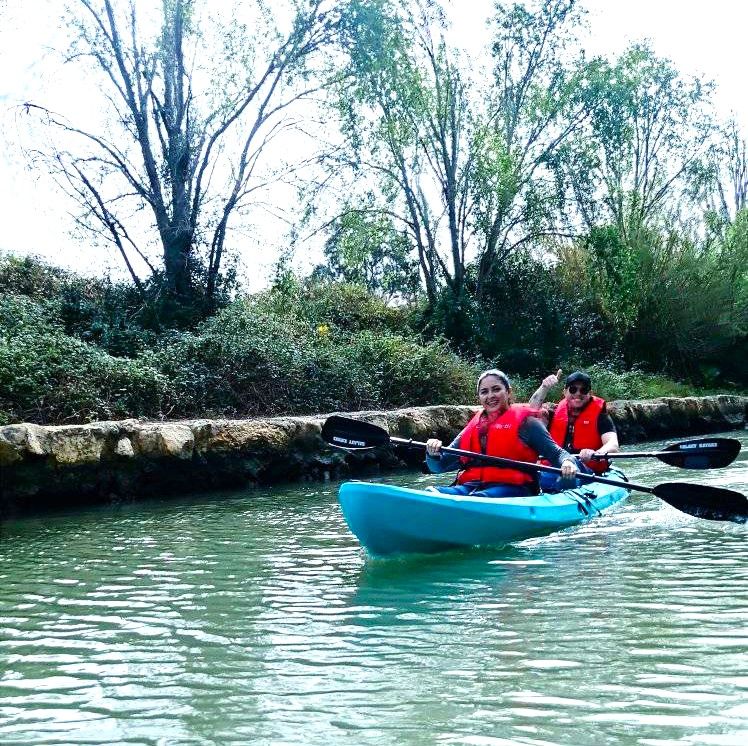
(704, 38)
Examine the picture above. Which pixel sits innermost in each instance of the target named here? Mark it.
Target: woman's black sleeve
(532, 432)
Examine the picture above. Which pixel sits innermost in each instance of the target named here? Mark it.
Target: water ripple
(256, 618)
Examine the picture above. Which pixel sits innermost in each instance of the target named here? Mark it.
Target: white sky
(700, 37)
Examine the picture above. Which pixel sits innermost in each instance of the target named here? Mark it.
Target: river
(255, 618)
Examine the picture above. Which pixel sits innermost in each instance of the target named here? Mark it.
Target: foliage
(666, 301)
(544, 212)
(366, 250)
(248, 360)
(537, 99)
(114, 316)
(311, 348)
(612, 381)
(643, 147)
(344, 306)
(48, 376)
(403, 111)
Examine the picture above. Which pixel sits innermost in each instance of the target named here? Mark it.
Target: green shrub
(613, 381)
(246, 361)
(345, 306)
(48, 376)
(312, 347)
(665, 301)
(118, 317)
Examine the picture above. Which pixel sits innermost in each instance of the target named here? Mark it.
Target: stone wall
(42, 466)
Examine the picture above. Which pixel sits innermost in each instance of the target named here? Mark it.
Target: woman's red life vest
(585, 430)
(502, 439)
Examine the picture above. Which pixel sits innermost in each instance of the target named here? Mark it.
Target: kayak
(388, 519)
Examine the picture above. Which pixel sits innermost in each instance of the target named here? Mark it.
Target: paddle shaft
(524, 465)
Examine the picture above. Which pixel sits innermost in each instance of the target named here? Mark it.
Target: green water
(254, 618)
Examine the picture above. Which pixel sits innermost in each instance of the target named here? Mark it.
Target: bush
(310, 347)
(612, 382)
(665, 302)
(49, 377)
(247, 361)
(115, 316)
(345, 306)
(523, 320)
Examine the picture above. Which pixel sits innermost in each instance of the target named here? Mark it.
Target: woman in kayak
(500, 428)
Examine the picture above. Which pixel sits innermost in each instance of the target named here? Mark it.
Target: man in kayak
(580, 423)
(500, 428)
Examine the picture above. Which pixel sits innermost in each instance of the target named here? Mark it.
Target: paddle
(711, 503)
(701, 453)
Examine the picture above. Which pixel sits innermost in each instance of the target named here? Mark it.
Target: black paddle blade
(711, 503)
(344, 432)
(704, 453)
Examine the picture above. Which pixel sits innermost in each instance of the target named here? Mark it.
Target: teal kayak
(395, 520)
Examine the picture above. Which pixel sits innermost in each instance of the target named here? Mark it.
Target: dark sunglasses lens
(581, 389)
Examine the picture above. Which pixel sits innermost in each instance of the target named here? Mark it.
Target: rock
(169, 440)
(74, 444)
(124, 447)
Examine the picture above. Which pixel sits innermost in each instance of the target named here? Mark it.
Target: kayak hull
(388, 519)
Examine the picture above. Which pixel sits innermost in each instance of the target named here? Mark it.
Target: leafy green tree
(405, 119)
(538, 98)
(365, 249)
(462, 165)
(634, 161)
(724, 184)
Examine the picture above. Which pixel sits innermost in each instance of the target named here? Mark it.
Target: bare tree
(187, 127)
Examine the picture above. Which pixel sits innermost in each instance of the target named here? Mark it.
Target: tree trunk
(177, 264)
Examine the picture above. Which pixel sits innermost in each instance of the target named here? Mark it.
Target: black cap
(578, 376)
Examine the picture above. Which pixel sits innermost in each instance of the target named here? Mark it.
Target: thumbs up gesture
(550, 381)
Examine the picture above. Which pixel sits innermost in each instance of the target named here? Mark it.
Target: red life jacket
(585, 430)
(502, 439)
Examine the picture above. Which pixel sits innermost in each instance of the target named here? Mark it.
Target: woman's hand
(568, 469)
(433, 447)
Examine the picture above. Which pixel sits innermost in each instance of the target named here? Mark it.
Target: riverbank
(54, 466)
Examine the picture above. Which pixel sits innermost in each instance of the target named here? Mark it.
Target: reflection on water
(256, 618)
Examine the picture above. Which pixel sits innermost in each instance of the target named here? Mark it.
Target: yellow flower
(323, 330)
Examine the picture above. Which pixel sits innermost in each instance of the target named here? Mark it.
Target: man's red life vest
(585, 429)
(502, 439)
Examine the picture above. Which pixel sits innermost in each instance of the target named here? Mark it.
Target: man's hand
(586, 454)
(550, 381)
(537, 399)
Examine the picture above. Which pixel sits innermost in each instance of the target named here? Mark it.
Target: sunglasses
(573, 389)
